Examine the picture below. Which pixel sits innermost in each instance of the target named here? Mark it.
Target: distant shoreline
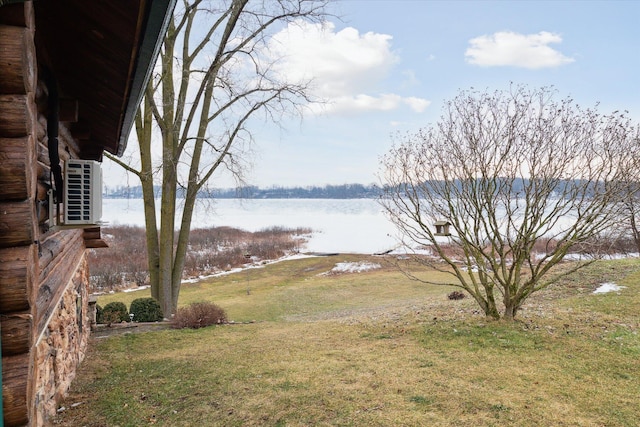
(346, 191)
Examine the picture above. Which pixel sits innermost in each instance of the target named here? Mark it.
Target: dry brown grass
(374, 349)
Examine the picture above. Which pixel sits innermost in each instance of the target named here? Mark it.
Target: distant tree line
(344, 191)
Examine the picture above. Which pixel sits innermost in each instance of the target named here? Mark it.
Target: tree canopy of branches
(522, 179)
(214, 75)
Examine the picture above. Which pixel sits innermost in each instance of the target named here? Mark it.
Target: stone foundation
(61, 347)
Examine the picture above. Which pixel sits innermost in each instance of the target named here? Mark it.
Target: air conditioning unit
(82, 192)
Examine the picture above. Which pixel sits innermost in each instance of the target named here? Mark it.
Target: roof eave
(157, 23)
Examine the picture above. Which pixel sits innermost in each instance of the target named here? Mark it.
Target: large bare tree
(522, 179)
(215, 74)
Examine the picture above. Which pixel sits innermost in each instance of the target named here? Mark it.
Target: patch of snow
(294, 256)
(137, 288)
(402, 250)
(589, 257)
(246, 267)
(608, 287)
(353, 267)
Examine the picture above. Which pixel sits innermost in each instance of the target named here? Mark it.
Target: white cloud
(507, 48)
(417, 104)
(347, 68)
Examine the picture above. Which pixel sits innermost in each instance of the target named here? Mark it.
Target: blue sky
(387, 66)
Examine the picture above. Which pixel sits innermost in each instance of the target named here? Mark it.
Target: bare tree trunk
(635, 231)
(209, 44)
(190, 196)
(167, 233)
(143, 130)
(182, 245)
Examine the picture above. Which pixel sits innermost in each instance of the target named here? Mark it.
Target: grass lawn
(372, 349)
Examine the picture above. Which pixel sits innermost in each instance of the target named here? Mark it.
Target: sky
(386, 67)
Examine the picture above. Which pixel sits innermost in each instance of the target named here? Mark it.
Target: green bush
(198, 315)
(146, 310)
(115, 312)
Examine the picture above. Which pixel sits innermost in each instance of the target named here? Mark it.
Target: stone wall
(62, 346)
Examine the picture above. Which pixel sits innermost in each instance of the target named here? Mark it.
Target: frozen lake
(352, 225)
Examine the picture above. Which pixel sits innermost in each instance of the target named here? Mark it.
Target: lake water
(352, 225)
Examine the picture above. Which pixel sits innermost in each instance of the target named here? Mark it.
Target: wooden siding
(38, 267)
(18, 224)
(100, 53)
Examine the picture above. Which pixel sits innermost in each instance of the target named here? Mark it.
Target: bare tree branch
(214, 75)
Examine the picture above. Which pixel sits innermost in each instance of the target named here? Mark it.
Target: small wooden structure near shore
(98, 56)
(442, 228)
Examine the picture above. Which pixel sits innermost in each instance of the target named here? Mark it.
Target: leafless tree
(631, 212)
(214, 75)
(521, 177)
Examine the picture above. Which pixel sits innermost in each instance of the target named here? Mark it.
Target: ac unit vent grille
(83, 192)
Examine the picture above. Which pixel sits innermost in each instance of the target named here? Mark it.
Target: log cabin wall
(43, 274)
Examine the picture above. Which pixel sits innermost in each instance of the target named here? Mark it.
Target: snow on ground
(255, 264)
(137, 288)
(608, 287)
(582, 257)
(353, 267)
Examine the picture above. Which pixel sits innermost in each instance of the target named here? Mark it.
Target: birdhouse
(442, 228)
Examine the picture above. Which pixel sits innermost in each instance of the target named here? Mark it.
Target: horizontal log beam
(54, 284)
(17, 116)
(16, 333)
(43, 172)
(17, 173)
(43, 153)
(17, 274)
(93, 239)
(20, 14)
(95, 244)
(41, 191)
(17, 223)
(70, 144)
(91, 235)
(41, 126)
(52, 248)
(15, 377)
(17, 60)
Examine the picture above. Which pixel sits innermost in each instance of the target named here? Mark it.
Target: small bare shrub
(124, 263)
(198, 315)
(456, 295)
(105, 279)
(606, 245)
(225, 247)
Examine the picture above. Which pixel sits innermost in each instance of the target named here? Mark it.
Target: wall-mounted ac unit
(82, 192)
